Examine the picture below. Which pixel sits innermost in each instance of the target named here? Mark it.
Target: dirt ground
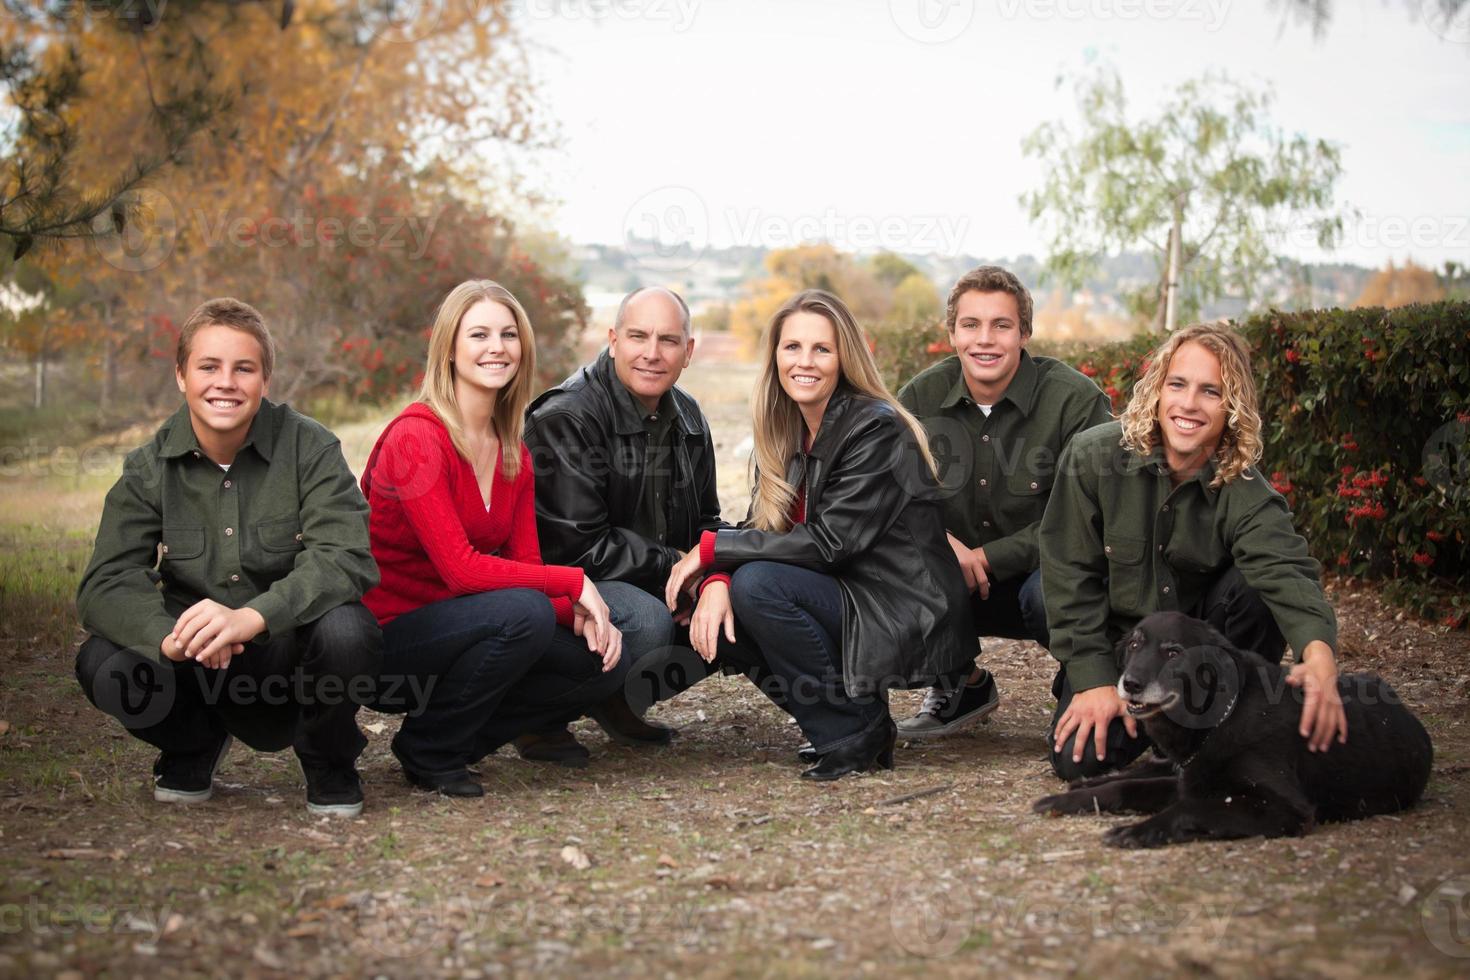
(708, 856)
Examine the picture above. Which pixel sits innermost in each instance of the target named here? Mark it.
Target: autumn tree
(1208, 183)
(1399, 286)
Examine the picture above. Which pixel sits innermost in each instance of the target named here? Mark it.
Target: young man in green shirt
(223, 594)
(1165, 510)
(997, 420)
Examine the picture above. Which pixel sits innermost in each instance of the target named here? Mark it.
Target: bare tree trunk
(39, 401)
(1171, 280)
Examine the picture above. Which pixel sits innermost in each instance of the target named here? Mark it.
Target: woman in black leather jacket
(840, 579)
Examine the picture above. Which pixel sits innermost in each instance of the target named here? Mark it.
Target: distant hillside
(715, 275)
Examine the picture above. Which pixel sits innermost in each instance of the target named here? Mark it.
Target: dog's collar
(1229, 710)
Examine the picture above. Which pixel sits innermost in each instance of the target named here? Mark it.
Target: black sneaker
(179, 778)
(332, 791)
(950, 711)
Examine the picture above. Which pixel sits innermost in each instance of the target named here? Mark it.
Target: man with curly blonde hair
(1165, 510)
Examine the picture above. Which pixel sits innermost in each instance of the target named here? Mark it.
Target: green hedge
(1367, 430)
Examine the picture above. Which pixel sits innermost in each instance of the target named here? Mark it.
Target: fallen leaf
(376, 727)
(576, 857)
(173, 924)
(4, 727)
(268, 959)
(665, 861)
(490, 880)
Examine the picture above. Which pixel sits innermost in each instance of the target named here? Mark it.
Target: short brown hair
(227, 312)
(990, 279)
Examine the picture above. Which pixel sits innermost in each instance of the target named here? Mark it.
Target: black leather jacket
(873, 522)
(587, 451)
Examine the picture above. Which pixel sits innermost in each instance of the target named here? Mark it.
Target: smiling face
(807, 363)
(223, 383)
(1192, 409)
(649, 348)
(987, 338)
(487, 348)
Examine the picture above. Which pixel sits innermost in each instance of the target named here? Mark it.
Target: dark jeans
(475, 671)
(1230, 606)
(1014, 610)
(663, 663)
(301, 688)
(788, 628)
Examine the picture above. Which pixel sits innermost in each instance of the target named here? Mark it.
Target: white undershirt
(984, 408)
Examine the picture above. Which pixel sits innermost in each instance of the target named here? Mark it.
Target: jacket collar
(837, 407)
(628, 411)
(1021, 392)
(181, 440)
(1154, 463)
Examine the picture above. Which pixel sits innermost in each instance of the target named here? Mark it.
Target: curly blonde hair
(1240, 444)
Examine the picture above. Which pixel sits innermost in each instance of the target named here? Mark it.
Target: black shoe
(179, 778)
(454, 782)
(332, 791)
(623, 726)
(805, 753)
(558, 747)
(950, 711)
(873, 749)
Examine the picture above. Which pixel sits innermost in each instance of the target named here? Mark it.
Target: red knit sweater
(431, 535)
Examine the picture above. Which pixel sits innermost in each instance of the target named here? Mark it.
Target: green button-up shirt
(997, 471)
(283, 531)
(1120, 541)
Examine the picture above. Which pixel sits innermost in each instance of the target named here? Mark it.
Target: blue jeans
(475, 671)
(788, 628)
(661, 661)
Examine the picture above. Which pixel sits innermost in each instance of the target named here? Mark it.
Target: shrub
(1367, 430)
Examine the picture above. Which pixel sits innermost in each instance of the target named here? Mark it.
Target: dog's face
(1179, 667)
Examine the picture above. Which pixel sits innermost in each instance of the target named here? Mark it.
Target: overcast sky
(898, 123)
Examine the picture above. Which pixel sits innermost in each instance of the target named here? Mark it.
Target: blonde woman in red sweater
(483, 643)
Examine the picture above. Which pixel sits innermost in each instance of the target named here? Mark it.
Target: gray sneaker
(950, 711)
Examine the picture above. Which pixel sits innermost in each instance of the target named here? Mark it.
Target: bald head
(650, 304)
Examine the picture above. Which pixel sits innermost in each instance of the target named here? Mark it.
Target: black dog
(1227, 721)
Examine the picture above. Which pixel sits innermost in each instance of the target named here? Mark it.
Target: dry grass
(708, 856)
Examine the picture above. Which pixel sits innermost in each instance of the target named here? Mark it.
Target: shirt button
(1107, 549)
(196, 455)
(298, 537)
(983, 483)
(1166, 508)
(1034, 486)
(229, 531)
(165, 549)
(1166, 590)
(984, 523)
(985, 438)
(1161, 547)
(236, 578)
(227, 484)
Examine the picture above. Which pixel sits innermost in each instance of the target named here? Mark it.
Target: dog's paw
(1065, 804)
(1135, 835)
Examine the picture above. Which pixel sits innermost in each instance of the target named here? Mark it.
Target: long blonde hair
(1240, 444)
(777, 421)
(437, 391)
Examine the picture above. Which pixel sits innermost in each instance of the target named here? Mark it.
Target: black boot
(622, 725)
(873, 749)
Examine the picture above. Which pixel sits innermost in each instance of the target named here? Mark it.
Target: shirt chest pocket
(1128, 573)
(182, 542)
(280, 541)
